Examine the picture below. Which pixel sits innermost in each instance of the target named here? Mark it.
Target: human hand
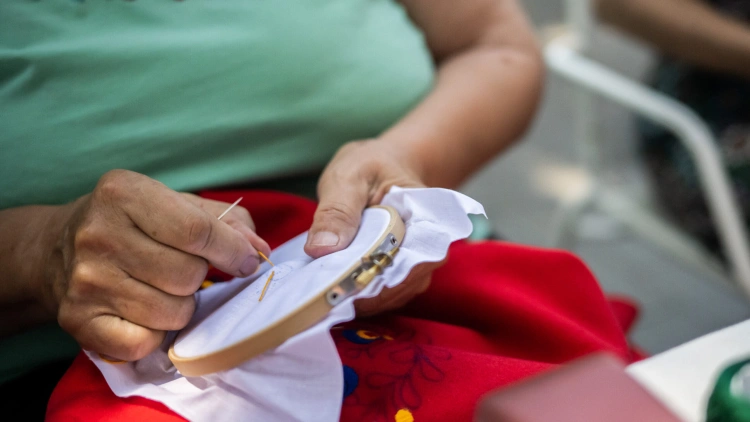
(389, 299)
(359, 175)
(132, 254)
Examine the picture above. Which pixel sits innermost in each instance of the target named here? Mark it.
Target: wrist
(411, 153)
(22, 253)
(41, 265)
(53, 241)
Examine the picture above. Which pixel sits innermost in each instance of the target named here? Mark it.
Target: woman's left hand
(487, 87)
(360, 175)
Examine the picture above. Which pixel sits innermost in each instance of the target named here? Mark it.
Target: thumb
(338, 215)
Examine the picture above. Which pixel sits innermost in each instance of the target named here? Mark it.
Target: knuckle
(90, 236)
(133, 348)
(339, 211)
(125, 308)
(338, 174)
(199, 231)
(84, 237)
(84, 279)
(240, 216)
(189, 277)
(242, 212)
(114, 185)
(131, 342)
(186, 308)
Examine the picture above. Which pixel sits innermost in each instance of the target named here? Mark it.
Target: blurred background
(524, 189)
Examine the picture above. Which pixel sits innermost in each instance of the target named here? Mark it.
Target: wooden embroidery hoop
(352, 280)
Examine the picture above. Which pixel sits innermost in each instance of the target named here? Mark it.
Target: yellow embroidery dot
(206, 284)
(387, 337)
(367, 335)
(404, 415)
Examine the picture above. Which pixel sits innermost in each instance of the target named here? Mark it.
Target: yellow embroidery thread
(264, 257)
(113, 361)
(263, 293)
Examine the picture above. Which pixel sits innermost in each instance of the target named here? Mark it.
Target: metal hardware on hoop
(372, 265)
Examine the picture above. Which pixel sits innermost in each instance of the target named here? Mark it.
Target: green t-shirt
(194, 93)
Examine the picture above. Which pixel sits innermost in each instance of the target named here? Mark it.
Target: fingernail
(250, 265)
(324, 239)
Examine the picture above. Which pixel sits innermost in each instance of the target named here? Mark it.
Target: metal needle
(230, 208)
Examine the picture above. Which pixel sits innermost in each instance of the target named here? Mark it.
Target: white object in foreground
(683, 377)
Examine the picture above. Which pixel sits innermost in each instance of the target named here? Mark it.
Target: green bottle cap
(730, 399)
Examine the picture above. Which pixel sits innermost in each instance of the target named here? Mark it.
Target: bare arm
(488, 85)
(489, 80)
(28, 235)
(117, 268)
(686, 29)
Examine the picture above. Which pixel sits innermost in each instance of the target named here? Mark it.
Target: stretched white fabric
(301, 380)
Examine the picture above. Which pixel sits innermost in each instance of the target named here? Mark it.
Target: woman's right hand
(132, 254)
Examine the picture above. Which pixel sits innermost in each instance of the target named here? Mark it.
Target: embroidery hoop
(352, 279)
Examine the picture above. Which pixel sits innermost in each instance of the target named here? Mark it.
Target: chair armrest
(563, 59)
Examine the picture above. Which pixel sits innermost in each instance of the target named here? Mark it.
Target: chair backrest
(580, 21)
(565, 55)
(579, 26)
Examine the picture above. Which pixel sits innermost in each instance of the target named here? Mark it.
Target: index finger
(238, 217)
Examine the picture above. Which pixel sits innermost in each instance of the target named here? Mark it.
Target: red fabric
(494, 314)
(625, 310)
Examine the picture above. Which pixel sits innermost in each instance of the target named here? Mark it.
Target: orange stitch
(111, 360)
(263, 293)
(266, 258)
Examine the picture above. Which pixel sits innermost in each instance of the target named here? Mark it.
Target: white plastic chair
(565, 55)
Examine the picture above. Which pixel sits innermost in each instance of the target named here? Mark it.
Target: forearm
(29, 236)
(487, 90)
(483, 101)
(686, 29)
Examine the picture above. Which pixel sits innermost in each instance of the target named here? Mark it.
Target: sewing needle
(229, 209)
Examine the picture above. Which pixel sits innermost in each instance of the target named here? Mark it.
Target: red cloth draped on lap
(495, 313)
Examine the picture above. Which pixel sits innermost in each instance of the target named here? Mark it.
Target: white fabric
(301, 380)
(228, 313)
(684, 377)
